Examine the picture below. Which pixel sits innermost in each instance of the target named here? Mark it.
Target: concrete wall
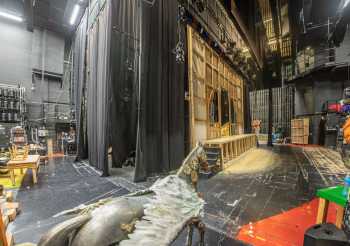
(16, 54)
(343, 52)
(310, 98)
(20, 52)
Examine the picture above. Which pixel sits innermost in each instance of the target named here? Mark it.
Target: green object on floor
(333, 194)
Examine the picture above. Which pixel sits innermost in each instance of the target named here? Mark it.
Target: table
(31, 162)
(327, 195)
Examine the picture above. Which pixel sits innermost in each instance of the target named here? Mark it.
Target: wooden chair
(19, 154)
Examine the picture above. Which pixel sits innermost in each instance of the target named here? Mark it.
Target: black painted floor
(232, 199)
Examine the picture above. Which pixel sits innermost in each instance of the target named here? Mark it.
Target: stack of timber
(8, 213)
(300, 131)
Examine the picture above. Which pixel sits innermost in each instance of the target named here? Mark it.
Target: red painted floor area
(286, 229)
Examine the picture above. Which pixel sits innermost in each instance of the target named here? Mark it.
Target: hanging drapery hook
(179, 49)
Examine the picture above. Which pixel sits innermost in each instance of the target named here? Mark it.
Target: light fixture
(346, 3)
(74, 15)
(11, 16)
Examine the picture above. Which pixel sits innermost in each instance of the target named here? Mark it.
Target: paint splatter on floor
(266, 197)
(285, 229)
(257, 187)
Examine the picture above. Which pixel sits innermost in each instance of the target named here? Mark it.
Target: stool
(327, 195)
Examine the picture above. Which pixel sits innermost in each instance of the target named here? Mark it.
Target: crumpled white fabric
(175, 202)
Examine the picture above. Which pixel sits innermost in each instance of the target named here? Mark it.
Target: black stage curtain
(161, 128)
(124, 80)
(79, 78)
(98, 96)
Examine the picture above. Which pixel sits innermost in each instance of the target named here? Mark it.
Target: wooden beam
(190, 81)
(322, 211)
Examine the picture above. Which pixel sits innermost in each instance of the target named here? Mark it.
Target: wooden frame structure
(209, 73)
(234, 146)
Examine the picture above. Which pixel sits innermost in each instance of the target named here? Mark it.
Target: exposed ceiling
(53, 15)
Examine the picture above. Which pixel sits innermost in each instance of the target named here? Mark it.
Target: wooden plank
(227, 139)
(3, 235)
(339, 217)
(322, 211)
(222, 152)
(190, 71)
(236, 148)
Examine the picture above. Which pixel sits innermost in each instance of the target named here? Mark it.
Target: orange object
(346, 131)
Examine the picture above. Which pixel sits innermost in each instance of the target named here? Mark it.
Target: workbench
(31, 162)
(233, 146)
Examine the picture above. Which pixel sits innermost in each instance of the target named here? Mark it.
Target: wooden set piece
(233, 146)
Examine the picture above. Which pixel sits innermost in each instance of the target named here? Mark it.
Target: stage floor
(258, 199)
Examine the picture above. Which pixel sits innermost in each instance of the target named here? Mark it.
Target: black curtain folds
(79, 78)
(124, 80)
(132, 107)
(161, 128)
(98, 89)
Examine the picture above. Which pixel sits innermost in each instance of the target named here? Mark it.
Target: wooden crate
(300, 127)
(300, 139)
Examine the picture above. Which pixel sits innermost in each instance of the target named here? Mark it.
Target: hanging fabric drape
(79, 78)
(161, 126)
(98, 96)
(114, 100)
(124, 79)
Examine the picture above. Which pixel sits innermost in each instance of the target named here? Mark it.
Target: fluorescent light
(75, 13)
(346, 3)
(11, 16)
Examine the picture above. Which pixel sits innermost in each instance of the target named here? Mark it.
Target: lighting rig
(188, 11)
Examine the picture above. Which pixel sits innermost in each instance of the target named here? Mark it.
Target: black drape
(98, 89)
(160, 145)
(79, 78)
(124, 81)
